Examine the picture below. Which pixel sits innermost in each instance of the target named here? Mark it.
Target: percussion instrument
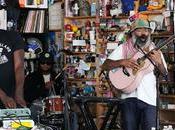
(54, 120)
(53, 105)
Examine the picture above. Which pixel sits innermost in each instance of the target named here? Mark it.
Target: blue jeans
(136, 115)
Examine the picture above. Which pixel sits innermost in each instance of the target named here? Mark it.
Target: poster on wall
(55, 16)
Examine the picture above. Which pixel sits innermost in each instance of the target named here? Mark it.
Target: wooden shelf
(169, 52)
(152, 12)
(117, 17)
(79, 53)
(81, 17)
(167, 122)
(82, 53)
(162, 34)
(33, 33)
(33, 8)
(167, 110)
(67, 41)
(80, 80)
(113, 30)
(55, 30)
(75, 64)
(167, 96)
(104, 91)
(167, 82)
(30, 59)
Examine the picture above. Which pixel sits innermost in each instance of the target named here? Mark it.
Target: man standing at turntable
(138, 108)
(11, 70)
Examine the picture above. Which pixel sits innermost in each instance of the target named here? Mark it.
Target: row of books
(35, 22)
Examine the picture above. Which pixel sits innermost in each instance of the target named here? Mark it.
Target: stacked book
(35, 22)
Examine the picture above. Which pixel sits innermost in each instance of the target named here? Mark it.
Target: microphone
(141, 40)
(137, 43)
(60, 72)
(101, 72)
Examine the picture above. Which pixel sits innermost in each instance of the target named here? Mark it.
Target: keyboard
(17, 112)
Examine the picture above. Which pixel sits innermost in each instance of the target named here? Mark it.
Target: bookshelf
(33, 24)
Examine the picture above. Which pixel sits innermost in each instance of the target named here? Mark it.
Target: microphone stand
(66, 98)
(66, 104)
(157, 74)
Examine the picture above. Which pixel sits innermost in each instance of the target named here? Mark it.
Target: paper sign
(79, 43)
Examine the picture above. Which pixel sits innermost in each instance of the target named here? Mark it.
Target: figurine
(116, 8)
(75, 9)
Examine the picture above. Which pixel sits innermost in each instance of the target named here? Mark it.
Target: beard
(142, 41)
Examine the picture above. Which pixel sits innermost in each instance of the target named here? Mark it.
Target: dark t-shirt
(9, 42)
(34, 87)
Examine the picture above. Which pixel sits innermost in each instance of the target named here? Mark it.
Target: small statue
(87, 27)
(116, 8)
(75, 9)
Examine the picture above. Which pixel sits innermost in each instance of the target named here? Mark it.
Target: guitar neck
(160, 46)
(165, 42)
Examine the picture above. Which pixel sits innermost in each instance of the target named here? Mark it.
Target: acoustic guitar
(127, 79)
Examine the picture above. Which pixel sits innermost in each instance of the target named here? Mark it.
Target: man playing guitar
(138, 109)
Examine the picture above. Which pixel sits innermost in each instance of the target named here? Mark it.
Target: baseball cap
(139, 23)
(46, 57)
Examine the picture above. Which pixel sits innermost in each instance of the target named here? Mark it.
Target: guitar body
(128, 84)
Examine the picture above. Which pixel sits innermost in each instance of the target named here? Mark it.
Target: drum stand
(113, 109)
(82, 103)
(66, 103)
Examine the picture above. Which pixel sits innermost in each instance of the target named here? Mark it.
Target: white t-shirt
(146, 91)
(46, 78)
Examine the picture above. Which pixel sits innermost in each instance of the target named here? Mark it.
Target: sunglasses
(45, 62)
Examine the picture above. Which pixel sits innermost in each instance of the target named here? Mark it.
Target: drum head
(53, 105)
